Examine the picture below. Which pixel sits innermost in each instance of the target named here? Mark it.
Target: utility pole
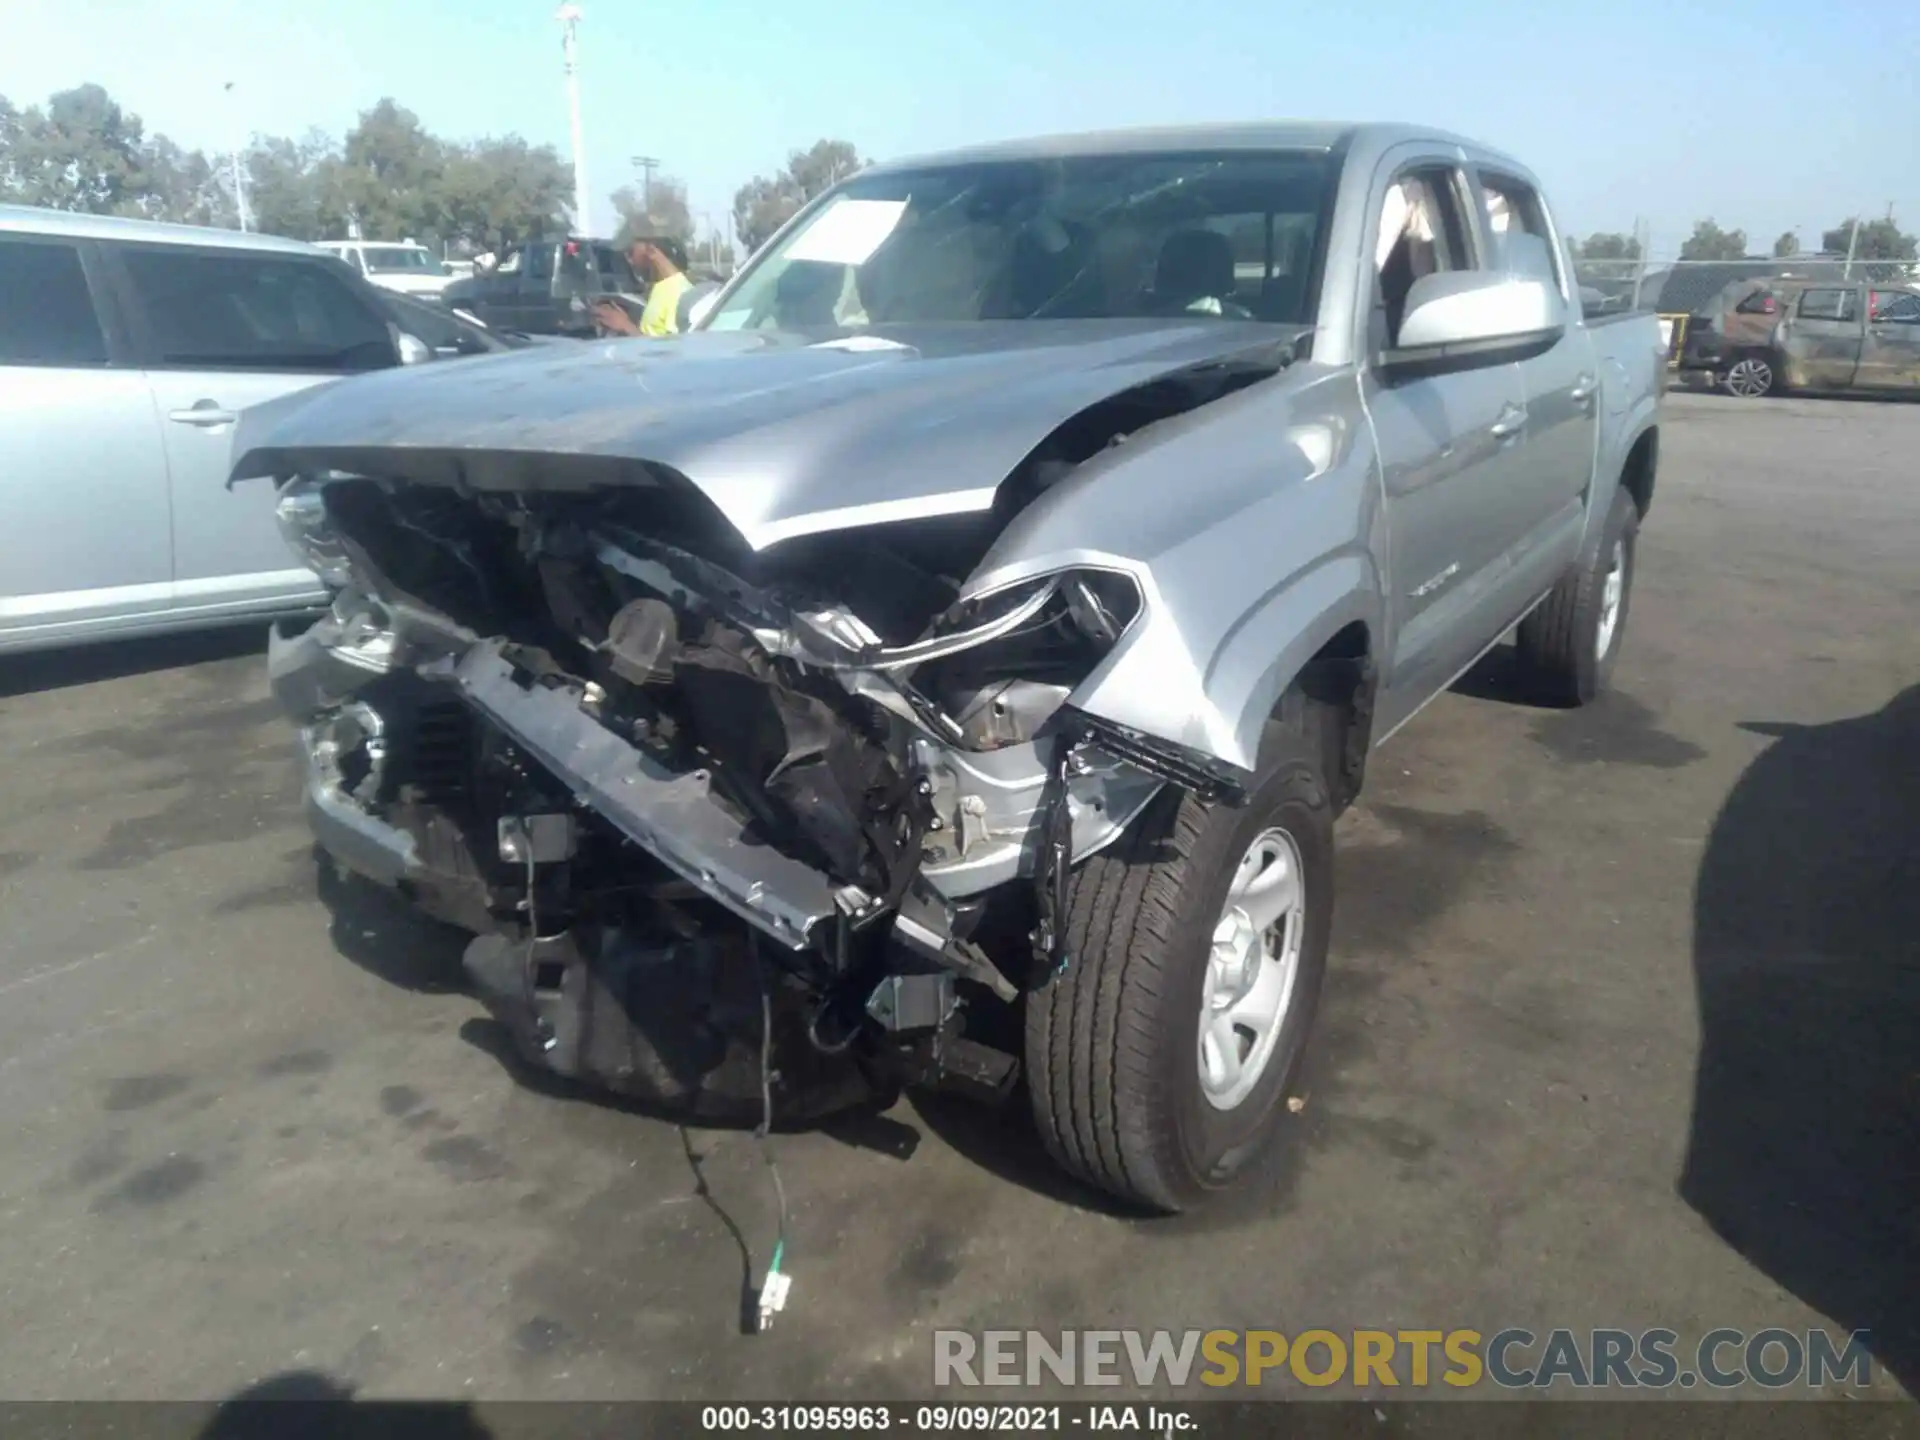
(1853, 244)
(646, 165)
(239, 187)
(569, 16)
(1639, 260)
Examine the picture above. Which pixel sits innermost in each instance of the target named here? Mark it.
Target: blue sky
(1765, 115)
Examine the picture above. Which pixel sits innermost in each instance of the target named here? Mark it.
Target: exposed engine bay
(654, 771)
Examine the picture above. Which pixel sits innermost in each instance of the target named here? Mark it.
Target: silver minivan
(127, 351)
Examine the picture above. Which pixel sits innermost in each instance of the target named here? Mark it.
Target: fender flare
(1265, 653)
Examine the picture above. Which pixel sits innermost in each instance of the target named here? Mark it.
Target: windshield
(387, 259)
(1080, 237)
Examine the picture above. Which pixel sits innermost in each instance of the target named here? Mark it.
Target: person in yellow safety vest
(662, 261)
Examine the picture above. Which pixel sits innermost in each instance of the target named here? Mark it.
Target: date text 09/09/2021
(948, 1419)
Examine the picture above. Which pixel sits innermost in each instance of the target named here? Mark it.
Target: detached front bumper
(350, 833)
(337, 697)
(315, 678)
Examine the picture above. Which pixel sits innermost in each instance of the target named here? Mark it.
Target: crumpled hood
(784, 435)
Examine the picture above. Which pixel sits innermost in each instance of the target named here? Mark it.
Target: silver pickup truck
(945, 665)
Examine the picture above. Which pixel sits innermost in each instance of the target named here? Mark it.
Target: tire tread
(1099, 1103)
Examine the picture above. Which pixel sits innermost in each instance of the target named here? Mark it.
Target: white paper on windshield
(860, 344)
(849, 232)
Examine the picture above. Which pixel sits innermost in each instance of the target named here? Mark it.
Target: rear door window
(239, 311)
(1522, 241)
(46, 311)
(615, 273)
(1896, 307)
(1829, 305)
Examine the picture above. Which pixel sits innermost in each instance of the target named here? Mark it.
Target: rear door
(1822, 339)
(1450, 443)
(83, 475)
(616, 275)
(220, 330)
(1890, 354)
(1547, 505)
(532, 299)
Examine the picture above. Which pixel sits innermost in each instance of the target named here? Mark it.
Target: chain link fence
(1686, 287)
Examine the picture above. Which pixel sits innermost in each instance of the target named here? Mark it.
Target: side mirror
(1470, 315)
(413, 350)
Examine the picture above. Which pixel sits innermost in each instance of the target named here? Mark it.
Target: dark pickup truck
(1788, 335)
(546, 287)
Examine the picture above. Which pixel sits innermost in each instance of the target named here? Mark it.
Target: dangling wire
(773, 1290)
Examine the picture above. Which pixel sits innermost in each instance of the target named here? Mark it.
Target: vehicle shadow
(1496, 676)
(308, 1405)
(42, 670)
(378, 930)
(1804, 1150)
(1003, 1140)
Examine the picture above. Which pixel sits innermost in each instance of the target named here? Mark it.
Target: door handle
(1584, 389)
(203, 413)
(1512, 418)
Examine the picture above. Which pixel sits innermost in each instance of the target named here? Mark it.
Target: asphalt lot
(1621, 1030)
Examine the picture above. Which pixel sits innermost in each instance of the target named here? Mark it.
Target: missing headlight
(301, 511)
(1028, 647)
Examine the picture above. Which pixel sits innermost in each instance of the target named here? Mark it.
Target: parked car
(448, 334)
(407, 268)
(1778, 335)
(949, 659)
(1727, 339)
(1849, 338)
(547, 287)
(127, 350)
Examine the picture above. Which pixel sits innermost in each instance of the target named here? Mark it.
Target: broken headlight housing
(301, 512)
(1000, 664)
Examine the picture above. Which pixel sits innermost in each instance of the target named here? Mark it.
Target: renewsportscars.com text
(1512, 1359)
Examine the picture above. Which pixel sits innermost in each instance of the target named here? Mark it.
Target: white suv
(407, 267)
(128, 351)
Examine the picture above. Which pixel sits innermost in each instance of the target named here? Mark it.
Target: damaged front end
(665, 779)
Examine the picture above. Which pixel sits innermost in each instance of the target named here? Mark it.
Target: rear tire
(1569, 644)
(1116, 1060)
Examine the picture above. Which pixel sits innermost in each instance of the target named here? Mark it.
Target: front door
(1890, 353)
(1450, 448)
(1822, 341)
(220, 331)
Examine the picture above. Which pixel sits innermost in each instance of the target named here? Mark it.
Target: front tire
(1751, 376)
(1569, 644)
(1159, 1061)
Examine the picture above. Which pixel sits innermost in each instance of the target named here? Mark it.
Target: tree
(391, 172)
(294, 187)
(83, 152)
(495, 193)
(1787, 246)
(1608, 245)
(765, 203)
(1710, 242)
(1879, 240)
(660, 209)
(183, 186)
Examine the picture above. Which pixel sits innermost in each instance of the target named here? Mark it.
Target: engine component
(641, 641)
(673, 1022)
(912, 1002)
